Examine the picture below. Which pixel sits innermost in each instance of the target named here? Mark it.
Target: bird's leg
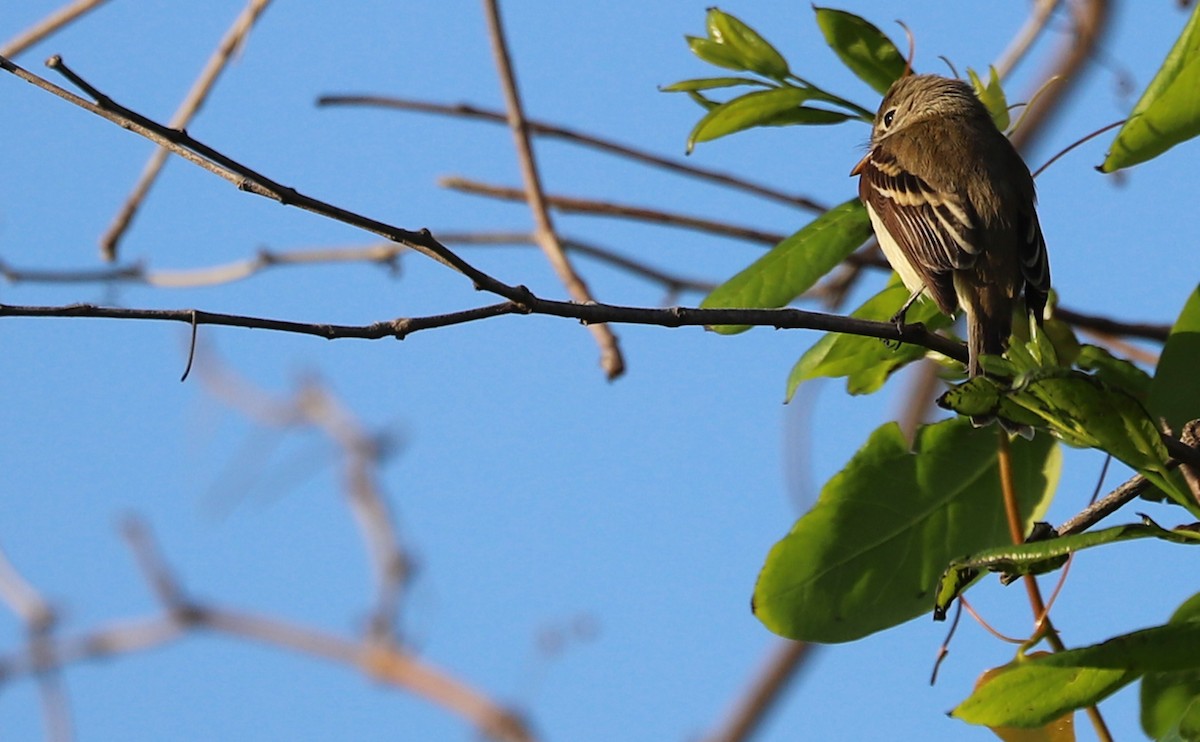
(898, 318)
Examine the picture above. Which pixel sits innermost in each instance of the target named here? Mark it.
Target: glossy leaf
(1061, 729)
(794, 265)
(1171, 700)
(866, 362)
(862, 47)
(1169, 111)
(760, 108)
(992, 95)
(1175, 391)
(710, 83)
(1035, 691)
(751, 49)
(867, 556)
(716, 54)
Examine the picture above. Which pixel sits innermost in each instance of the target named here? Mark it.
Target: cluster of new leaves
(887, 537)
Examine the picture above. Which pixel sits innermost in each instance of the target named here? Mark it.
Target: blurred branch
(466, 110)
(590, 207)
(763, 692)
(231, 42)
(380, 662)
(362, 455)
(611, 359)
(1019, 46)
(40, 620)
(48, 25)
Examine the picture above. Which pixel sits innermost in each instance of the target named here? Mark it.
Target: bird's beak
(861, 164)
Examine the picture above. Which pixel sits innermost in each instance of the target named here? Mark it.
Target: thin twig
(787, 318)
(1020, 44)
(611, 359)
(48, 25)
(233, 40)
(466, 110)
(570, 205)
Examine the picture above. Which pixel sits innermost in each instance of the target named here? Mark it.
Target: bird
(953, 206)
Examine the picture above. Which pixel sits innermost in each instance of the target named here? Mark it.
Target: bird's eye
(887, 117)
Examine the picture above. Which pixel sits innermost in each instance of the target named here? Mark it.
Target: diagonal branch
(607, 208)
(48, 25)
(231, 42)
(611, 360)
(466, 110)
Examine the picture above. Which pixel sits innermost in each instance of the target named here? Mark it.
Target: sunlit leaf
(992, 95)
(794, 265)
(862, 47)
(1035, 691)
(1169, 111)
(710, 83)
(751, 49)
(1175, 391)
(868, 554)
(1061, 729)
(759, 108)
(716, 54)
(1114, 371)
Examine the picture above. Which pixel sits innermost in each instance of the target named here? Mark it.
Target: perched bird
(952, 204)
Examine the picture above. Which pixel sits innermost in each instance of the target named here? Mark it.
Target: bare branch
(763, 692)
(232, 41)
(611, 359)
(48, 25)
(786, 318)
(568, 204)
(466, 110)
(1019, 46)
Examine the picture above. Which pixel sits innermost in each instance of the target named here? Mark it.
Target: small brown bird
(952, 204)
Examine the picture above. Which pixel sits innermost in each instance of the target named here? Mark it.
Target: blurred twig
(1020, 44)
(231, 42)
(611, 359)
(765, 688)
(466, 110)
(47, 26)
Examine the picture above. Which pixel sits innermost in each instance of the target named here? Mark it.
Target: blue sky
(532, 493)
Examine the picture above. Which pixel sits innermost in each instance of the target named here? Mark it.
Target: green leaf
(760, 108)
(1169, 111)
(794, 265)
(867, 556)
(1114, 371)
(866, 362)
(1175, 392)
(862, 47)
(992, 95)
(1171, 701)
(709, 83)
(716, 54)
(1039, 557)
(1083, 411)
(751, 49)
(807, 115)
(1034, 691)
